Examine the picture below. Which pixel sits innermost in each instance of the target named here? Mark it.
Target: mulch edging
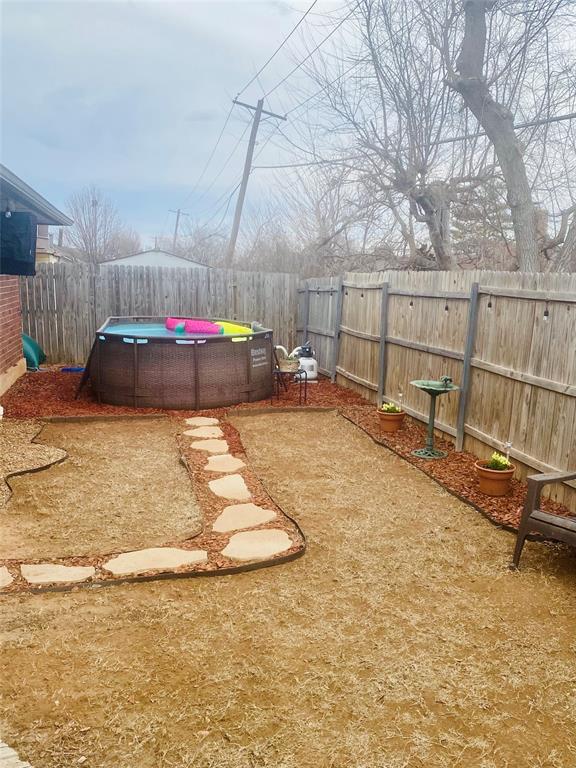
(418, 463)
(455, 473)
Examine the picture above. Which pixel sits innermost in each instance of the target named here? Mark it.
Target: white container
(309, 365)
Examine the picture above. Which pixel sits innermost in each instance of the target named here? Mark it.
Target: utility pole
(178, 213)
(258, 112)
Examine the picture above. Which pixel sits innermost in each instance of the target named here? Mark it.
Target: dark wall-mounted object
(17, 243)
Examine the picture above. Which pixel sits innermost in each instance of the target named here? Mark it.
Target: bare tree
(200, 243)
(125, 243)
(424, 71)
(504, 50)
(390, 117)
(315, 225)
(98, 233)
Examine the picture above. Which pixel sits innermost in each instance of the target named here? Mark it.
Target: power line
(324, 88)
(217, 202)
(228, 159)
(226, 162)
(227, 119)
(450, 140)
(227, 202)
(228, 192)
(282, 44)
(313, 51)
(266, 141)
(295, 69)
(211, 155)
(529, 124)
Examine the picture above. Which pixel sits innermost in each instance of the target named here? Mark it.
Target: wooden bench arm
(553, 477)
(535, 485)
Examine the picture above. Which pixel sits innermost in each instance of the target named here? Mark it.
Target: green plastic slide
(33, 353)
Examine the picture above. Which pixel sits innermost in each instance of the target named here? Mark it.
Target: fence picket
(65, 304)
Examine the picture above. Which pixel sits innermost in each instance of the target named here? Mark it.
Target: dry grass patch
(18, 453)
(121, 487)
(400, 640)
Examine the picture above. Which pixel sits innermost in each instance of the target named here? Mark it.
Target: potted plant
(495, 475)
(391, 417)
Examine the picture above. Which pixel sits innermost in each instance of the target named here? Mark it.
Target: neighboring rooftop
(16, 195)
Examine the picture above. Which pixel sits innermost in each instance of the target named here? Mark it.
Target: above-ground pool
(136, 361)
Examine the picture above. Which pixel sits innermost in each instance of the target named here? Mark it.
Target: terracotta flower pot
(494, 482)
(390, 422)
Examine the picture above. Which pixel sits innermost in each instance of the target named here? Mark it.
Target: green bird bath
(434, 389)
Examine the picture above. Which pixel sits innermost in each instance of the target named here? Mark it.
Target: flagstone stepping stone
(9, 758)
(202, 421)
(49, 573)
(154, 559)
(257, 545)
(5, 577)
(231, 487)
(242, 516)
(204, 432)
(212, 446)
(224, 463)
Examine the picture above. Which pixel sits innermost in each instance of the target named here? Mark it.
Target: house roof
(22, 196)
(156, 251)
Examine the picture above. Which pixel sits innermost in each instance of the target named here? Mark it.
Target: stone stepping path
(240, 516)
(232, 487)
(204, 432)
(224, 463)
(244, 546)
(202, 421)
(9, 758)
(211, 446)
(5, 577)
(154, 559)
(49, 573)
(257, 545)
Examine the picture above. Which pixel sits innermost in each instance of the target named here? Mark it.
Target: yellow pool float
(232, 329)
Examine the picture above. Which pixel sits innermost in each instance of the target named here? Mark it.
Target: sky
(131, 95)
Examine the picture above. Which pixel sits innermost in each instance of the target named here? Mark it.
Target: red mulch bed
(456, 472)
(52, 393)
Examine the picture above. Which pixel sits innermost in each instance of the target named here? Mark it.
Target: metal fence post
(306, 313)
(468, 352)
(337, 321)
(382, 347)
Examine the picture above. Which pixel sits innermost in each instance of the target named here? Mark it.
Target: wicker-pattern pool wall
(179, 373)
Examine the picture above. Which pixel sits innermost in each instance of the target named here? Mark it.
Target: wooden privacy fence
(508, 340)
(64, 304)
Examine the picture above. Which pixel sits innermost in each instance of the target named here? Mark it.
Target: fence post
(468, 352)
(336, 329)
(382, 347)
(95, 274)
(306, 313)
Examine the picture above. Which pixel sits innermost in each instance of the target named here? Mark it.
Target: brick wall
(10, 322)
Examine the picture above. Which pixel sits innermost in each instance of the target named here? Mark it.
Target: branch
(561, 234)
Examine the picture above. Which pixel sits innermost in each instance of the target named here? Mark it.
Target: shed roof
(133, 258)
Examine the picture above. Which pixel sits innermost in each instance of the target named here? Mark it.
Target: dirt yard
(399, 640)
(121, 487)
